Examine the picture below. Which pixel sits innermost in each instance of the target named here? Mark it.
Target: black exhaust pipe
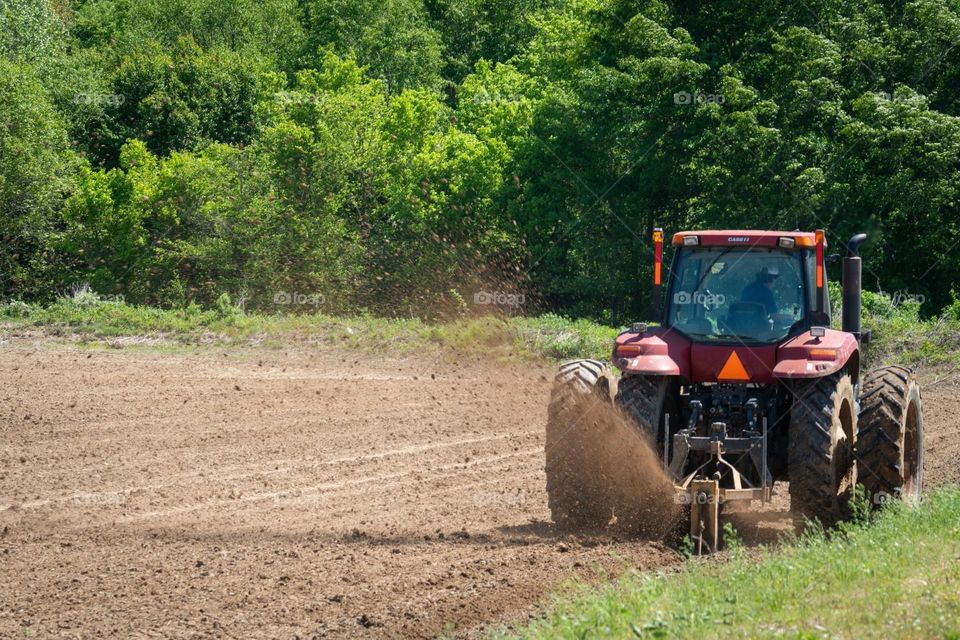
(852, 286)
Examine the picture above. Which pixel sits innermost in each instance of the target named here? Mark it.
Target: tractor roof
(742, 237)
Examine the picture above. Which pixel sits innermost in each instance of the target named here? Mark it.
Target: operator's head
(767, 276)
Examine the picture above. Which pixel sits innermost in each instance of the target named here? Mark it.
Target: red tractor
(742, 383)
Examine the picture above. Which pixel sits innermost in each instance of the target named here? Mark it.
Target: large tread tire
(821, 460)
(575, 493)
(643, 399)
(890, 439)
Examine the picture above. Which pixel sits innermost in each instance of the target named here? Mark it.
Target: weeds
(899, 334)
(894, 576)
(82, 312)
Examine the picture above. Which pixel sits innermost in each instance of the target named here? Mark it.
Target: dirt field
(265, 493)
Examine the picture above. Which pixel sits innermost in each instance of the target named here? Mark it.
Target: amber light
(658, 254)
(822, 354)
(819, 258)
(627, 350)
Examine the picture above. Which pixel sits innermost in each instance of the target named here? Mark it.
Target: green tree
(29, 30)
(35, 172)
(267, 29)
(108, 226)
(394, 40)
(491, 30)
(178, 98)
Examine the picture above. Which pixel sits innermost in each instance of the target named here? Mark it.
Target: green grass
(899, 334)
(97, 321)
(897, 577)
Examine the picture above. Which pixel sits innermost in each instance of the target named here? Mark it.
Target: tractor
(739, 382)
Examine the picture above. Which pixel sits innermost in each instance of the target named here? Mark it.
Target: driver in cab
(760, 291)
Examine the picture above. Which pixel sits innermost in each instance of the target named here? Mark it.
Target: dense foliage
(403, 156)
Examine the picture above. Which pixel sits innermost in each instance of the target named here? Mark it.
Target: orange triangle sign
(733, 369)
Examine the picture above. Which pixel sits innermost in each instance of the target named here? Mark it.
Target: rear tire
(890, 440)
(643, 399)
(821, 462)
(576, 498)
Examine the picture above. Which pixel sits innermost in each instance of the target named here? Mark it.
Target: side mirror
(833, 258)
(820, 318)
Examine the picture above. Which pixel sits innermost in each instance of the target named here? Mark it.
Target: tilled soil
(276, 494)
(270, 493)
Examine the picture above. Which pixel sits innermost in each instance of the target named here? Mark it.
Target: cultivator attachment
(721, 477)
(704, 515)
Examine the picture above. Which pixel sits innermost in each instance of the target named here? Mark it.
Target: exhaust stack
(852, 286)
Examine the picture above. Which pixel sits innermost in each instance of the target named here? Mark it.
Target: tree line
(417, 156)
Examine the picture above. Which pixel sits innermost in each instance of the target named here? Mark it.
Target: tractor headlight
(690, 241)
(787, 243)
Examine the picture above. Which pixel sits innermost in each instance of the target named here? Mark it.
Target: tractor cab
(743, 287)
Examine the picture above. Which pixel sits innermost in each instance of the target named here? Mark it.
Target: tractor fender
(807, 357)
(650, 353)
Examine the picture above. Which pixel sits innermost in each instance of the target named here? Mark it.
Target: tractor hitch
(718, 479)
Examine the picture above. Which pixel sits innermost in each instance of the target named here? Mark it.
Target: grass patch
(897, 577)
(89, 318)
(917, 343)
(899, 334)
